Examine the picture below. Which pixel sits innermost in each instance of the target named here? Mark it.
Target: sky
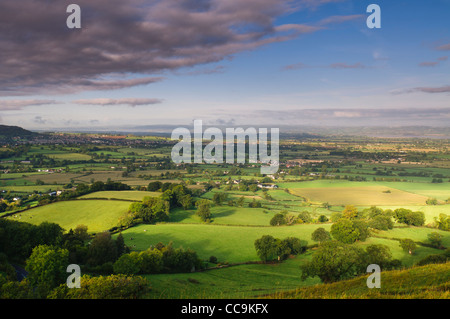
(225, 62)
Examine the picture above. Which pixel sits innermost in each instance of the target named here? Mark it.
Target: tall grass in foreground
(426, 282)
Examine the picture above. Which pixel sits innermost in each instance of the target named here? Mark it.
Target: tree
(109, 287)
(102, 249)
(203, 209)
(128, 264)
(381, 222)
(241, 201)
(408, 245)
(443, 222)
(350, 212)
(435, 239)
(266, 248)
(334, 261)
(152, 262)
(47, 268)
(305, 216)
(120, 244)
(320, 235)
(344, 230)
(295, 245)
(186, 201)
(278, 220)
(379, 255)
(154, 186)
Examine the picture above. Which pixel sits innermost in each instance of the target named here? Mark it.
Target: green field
(227, 243)
(98, 215)
(126, 195)
(242, 281)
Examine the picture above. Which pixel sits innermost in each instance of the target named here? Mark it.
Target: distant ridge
(14, 131)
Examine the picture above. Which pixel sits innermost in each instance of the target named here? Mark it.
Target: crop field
(363, 195)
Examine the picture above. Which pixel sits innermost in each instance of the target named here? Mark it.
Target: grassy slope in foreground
(428, 282)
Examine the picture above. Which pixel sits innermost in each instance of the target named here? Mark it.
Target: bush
(433, 259)
(213, 260)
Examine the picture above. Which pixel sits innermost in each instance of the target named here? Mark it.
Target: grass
(227, 243)
(243, 281)
(98, 215)
(412, 283)
(126, 195)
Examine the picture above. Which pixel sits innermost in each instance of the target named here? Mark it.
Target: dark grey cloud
(39, 54)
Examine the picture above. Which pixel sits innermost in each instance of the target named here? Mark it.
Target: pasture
(97, 215)
(227, 243)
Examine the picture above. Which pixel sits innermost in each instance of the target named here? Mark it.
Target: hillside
(426, 282)
(14, 131)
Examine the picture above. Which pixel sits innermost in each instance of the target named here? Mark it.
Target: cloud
(338, 65)
(443, 58)
(39, 120)
(125, 101)
(10, 105)
(295, 66)
(442, 89)
(340, 19)
(444, 47)
(367, 115)
(428, 64)
(40, 55)
(347, 66)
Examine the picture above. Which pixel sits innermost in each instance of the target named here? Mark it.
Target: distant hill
(14, 131)
(428, 282)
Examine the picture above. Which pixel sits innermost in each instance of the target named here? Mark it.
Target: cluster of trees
(270, 248)
(156, 209)
(408, 217)
(442, 222)
(104, 287)
(46, 251)
(334, 261)
(286, 218)
(157, 259)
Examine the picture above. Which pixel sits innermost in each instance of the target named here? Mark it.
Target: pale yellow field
(360, 196)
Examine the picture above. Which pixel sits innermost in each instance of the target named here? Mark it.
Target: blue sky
(329, 70)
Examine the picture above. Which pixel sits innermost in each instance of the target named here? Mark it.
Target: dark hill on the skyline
(14, 131)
